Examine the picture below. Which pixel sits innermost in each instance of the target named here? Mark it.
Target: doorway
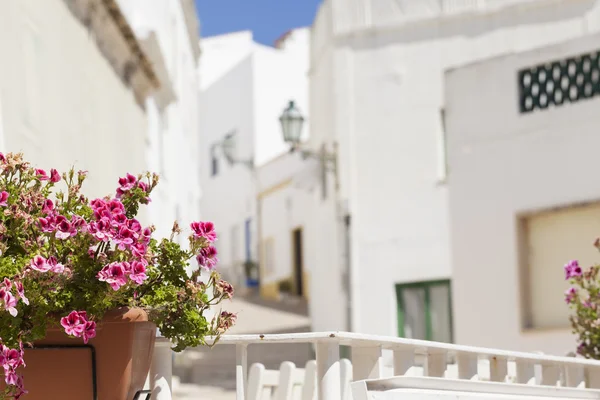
(298, 261)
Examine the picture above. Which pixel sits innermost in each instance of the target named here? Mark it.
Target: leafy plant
(583, 297)
(67, 260)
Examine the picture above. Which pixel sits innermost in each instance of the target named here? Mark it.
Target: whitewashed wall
(287, 204)
(504, 164)
(378, 90)
(245, 87)
(62, 102)
(173, 131)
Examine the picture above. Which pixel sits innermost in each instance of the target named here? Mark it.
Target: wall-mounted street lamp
(292, 122)
(228, 146)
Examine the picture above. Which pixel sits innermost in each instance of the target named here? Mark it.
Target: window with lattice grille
(557, 82)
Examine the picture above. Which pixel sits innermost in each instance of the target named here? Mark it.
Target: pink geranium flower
(114, 275)
(3, 198)
(89, 331)
(40, 264)
(73, 324)
(41, 174)
(54, 176)
(138, 272)
(207, 257)
(10, 302)
(204, 230)
(48, 206)
(128, 182)
(21, 292)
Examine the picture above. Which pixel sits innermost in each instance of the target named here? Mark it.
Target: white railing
(436, 360)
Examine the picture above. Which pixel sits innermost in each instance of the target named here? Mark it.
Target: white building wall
(502, 165)
(63, 104)
(173, 137)
(386, 85)
(228, 200)
(287, 203)
(245, 87)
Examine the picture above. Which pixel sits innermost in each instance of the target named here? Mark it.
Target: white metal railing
(438, 360)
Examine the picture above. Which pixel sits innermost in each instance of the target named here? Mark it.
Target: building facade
(377, 91)
(169, 34)
(72, 89)
(521, 188)
(244, 88)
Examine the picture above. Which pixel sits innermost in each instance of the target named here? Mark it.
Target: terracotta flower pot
(59, 367)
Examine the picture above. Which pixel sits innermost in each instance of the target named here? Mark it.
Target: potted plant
(583, 297)
(285, 288)
(83, 285)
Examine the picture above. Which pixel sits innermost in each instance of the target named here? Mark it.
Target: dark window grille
(554, 83)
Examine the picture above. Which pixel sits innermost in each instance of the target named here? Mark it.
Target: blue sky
(268, 19)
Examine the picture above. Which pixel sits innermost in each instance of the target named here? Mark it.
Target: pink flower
(46, 224)
(143, 186)
(128, 182)
(205, 230)
(3, 199)
(55, 266)
(89, 331)
(48, 206)
(147, 234)
(64, 229)
(41, 174)
(208, 257)
(40, 264)
(13, 358)
(138, 272)
(9, 301)
(116, 207)
(114, 275)
(572, 269)
(2, 157)
(134, 225)
(73, 323)
(54, 176)
(570, 295)
(21, 292)
(139, 250)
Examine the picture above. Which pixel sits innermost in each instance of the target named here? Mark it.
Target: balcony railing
(425, 363)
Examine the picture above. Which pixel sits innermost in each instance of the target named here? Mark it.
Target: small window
(548, 240)
(424, 311)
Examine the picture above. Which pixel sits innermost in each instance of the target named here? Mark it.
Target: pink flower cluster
(76, 324)
(11, 359)
(112, 224)
(54, 222)
(43, 176)
(207, 257)
(570, 295)
(572, 269)
(129, 182)
(116, 273)
(42, 264)
(8, 300)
